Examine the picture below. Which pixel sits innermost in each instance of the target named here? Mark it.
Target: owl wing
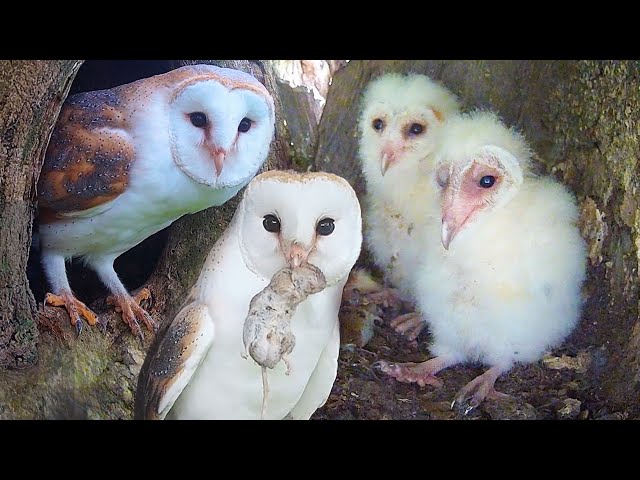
(172, 360)
(88, 158)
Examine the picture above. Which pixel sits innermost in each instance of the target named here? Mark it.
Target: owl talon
(79, 327)
(75, 309)
(132, 312)
(477, 390)
(410, 325)
(102, 324)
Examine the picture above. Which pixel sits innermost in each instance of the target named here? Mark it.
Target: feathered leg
(56, 272)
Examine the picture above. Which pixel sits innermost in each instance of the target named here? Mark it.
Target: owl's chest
(228, 386)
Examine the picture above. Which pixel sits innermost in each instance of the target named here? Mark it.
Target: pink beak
(297, 254)
(455, 214)
(219, 155)
(389, 156)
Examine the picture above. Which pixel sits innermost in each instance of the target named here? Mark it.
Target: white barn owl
(197, 370)
(500, 278)
(126, 162)
(400, 116)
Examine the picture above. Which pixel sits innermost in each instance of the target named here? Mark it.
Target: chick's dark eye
(378, 124)
(271, 223)
(487, 181)
(416, 129)
(325, 226)
(198, 119)
(245, 125)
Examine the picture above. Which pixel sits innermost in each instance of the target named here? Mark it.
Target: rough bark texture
(95, 376)
(581, 118)
(31, 94)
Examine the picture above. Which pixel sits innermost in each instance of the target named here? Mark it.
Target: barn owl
(199, 369)
(500, 278)
(400, 116)
(126, 162)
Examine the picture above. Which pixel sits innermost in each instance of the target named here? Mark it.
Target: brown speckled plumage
(166, 361)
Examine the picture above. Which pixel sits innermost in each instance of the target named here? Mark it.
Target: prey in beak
(296, 254)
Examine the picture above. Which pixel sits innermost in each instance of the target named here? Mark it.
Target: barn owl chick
(400, 116)
(199, 369)
(126, 162)
(501, 273)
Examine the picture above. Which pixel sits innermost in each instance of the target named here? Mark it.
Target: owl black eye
(325, 226)
(271, 223)
(416, 129)
(245, 125)
(378, 124)
(198, 119)
(487, 181)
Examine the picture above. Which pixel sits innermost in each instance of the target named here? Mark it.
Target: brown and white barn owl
(126, 162)
(198, 368)
(400, 115)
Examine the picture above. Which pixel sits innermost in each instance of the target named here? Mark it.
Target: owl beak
(455, 214)
(389, 157)
(297, 255)
(219, 155)
(448, 232)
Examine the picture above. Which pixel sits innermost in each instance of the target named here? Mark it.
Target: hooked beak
(297, 255)
(219, 155)
(454, 217)
(386, 162)
(389, 157)
(448, 232)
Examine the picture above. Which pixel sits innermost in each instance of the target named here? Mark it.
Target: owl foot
(410, 325)
(75, 308)
(422, 373)
(287, 362)
(132, 311)
(385, 297)
(477, 390)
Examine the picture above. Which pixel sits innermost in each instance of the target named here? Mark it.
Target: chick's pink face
(398, 138)
(466, 191)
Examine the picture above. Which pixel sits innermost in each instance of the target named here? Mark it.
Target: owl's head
(287, 218)
(480, 166)
(399, 116)
(221, 123)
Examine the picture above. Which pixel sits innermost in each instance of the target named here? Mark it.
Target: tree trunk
(581, 117)
(94, 376)
(25, 127)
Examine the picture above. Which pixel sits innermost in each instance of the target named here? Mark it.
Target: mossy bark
(31, 95)
(94, 376)
(581, 118)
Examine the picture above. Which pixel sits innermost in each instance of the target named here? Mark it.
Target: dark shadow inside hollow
(136, 265)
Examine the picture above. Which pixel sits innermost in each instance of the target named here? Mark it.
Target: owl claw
(132, 312)
(79, 327)
(102, 325)
(75, 309)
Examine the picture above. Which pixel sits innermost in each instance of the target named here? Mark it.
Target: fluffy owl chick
(400, 116)
(196, 369)
(126, 162)
(502, 284)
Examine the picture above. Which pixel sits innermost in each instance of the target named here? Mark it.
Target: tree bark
(95, 376)
(31, 94)
(581, 118)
